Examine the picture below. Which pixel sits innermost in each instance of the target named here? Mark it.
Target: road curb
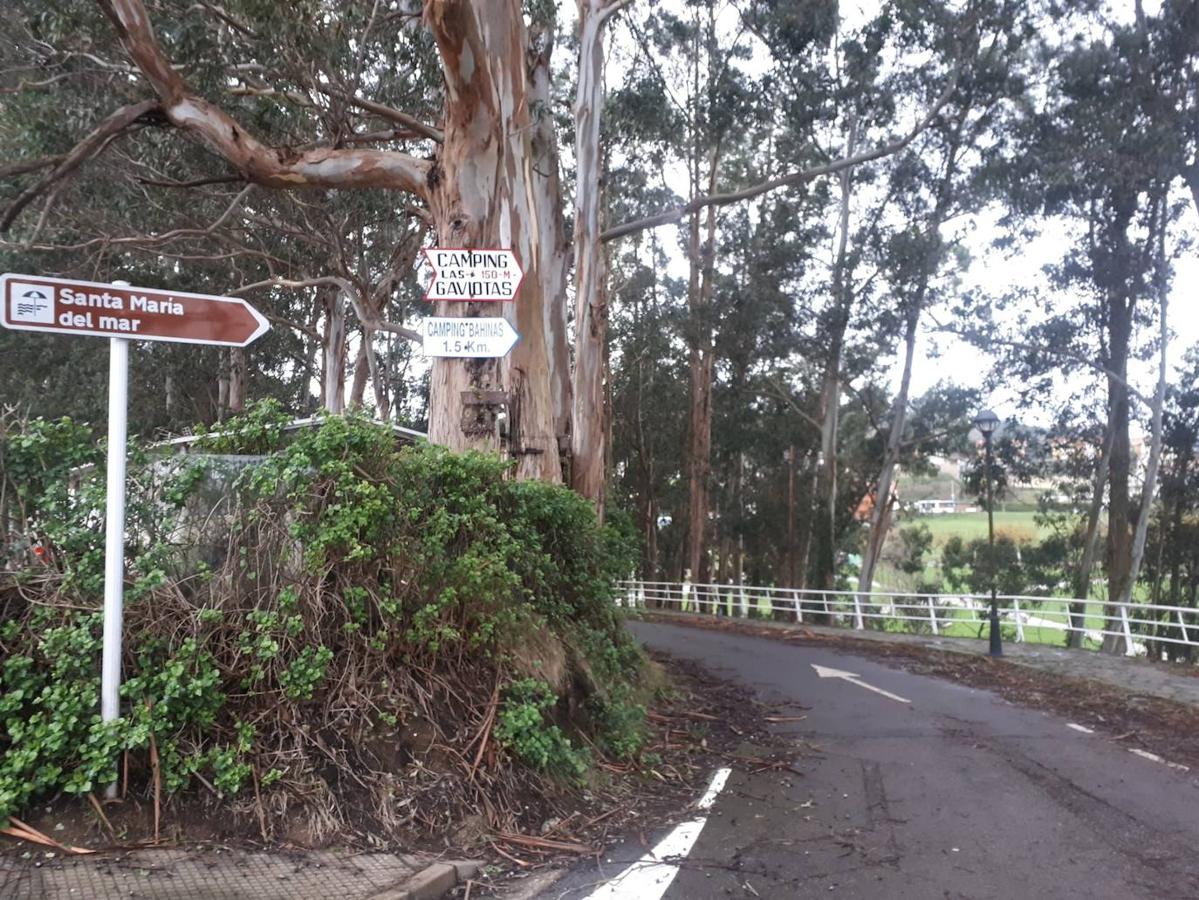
(433, 882)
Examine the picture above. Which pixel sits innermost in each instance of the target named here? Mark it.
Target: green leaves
(523, 727)
(344, 554)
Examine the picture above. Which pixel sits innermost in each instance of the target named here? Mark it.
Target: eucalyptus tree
(940, 180)
(1176, 559)
(680, 51)
(1103, 152)
(755, 321)
(472, 177)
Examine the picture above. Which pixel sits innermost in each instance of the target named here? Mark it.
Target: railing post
(932, 614)
(744, 601)
(1019, 621)
(798, 606)
(684, 591)
(858, 623)
(1182, 623)
(1128, 648)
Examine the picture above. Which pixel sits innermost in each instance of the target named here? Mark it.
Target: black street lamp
(986, 422)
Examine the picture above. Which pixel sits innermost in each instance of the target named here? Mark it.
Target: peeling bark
(482, 195)
(361, 375)
(588, 445)
(333, 356)
(269, 166)
(554, 247)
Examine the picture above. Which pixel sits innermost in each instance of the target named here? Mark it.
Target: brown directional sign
(60, 306)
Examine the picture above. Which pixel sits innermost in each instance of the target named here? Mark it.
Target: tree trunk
(238, 372)
(222, 387)
(170, 399)
(588, 448)
(379, 380)
(1176, 528)
(825, 565)
(1082, 578)
(333, 351)
(361, 374)
(482, 194)
(806, 526)
(701, 367)
(1137, 554)
(879, 515)
(1119, 536)
(649, 532)
(790, 563)
(552, 244)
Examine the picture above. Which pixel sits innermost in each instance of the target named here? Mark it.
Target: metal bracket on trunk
(485, 412)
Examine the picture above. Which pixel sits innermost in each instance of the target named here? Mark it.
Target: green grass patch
(1020, 525)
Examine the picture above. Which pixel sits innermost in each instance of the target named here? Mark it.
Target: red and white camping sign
(463, 273)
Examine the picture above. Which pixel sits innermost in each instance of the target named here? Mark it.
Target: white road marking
(1081, 728)
(826, 672)
(650, 876)
(1145, 754)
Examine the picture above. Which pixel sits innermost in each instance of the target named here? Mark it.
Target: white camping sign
(473, 274)
(467, 338)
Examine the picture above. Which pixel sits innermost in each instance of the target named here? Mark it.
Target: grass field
(1018, 525)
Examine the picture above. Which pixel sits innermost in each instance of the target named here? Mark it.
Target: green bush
(523, 727)
(378, 581)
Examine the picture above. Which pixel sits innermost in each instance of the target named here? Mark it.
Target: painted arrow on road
(825, 672)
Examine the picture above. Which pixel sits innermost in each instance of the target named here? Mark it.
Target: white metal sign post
(114, 530)
(120, 312)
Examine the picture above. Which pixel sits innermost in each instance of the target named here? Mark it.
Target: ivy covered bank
(346, 637)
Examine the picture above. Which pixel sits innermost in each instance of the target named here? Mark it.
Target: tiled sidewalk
(204, 874)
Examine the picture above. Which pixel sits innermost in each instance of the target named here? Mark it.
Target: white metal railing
(1035, 619)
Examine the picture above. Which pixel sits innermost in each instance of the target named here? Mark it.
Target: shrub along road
(956, 793)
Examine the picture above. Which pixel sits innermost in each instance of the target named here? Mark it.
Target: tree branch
(268, 166)
(978, 339)
(386, 112)
(346, 288)
(90, 146)
(785, 395)
(194, 183)
(804, 175)
(613, 7)
(30, 165)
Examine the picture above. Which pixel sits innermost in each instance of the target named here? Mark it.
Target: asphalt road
(955, 794)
